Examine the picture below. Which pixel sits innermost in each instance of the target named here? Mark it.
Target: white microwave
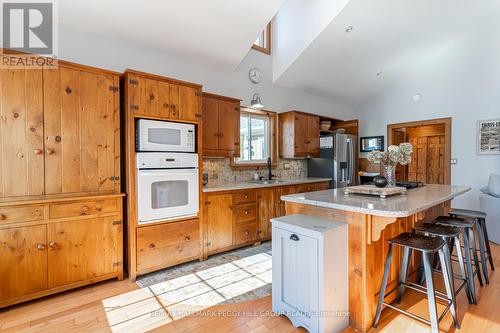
(164, 136)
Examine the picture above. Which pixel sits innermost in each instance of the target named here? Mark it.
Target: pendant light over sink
(256, 103)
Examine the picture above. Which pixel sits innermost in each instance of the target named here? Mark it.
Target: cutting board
(381, 192)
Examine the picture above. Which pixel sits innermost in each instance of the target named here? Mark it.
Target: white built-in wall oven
(167, 171)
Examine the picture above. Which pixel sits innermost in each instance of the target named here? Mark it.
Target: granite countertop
(400, 205)
(245, 185)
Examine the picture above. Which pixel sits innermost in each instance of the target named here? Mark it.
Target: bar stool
(482, 231)
(467, 228)
(427, 246)
(450, 236)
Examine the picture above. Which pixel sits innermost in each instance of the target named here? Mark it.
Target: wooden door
(210, 124)
(417, 169)
(399, 137)
(189, 103)
(82, 249)
(21, 132)
(268, 208)
(229, 127)
(301, 134)
(23, 264)
(313, 135)
(218, 221)
(82, 133)
(435, 159)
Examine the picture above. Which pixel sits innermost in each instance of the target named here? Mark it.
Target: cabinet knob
(85, 209)
(40, 246)
(49, 151)
(198, 115)
(221, 135)
(52, 245)
(152, 246)
(165, 105)
(216, 134)
(173, 106)
(245, 196)
(247, 233)
(37, 151)
(246, 212)
(187, 238)
(2, 217)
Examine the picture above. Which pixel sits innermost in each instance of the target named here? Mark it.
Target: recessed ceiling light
(416, 97)
(349, 29)
(379, 73)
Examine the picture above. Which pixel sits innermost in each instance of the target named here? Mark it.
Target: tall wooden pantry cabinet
(60, 194)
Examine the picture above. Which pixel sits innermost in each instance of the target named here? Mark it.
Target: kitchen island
(371, 222)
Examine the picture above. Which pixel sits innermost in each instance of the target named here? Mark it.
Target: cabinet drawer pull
(37, 151)
(294, 237)
(247, 233)
(187, 238)
(2, 217)
(246, 212)
(152, 246)
(221, 135)
(198, 115)
(52, 245)
(40, 247)
(85, 209)
(165, 105)
(245, 196)
(49, 151)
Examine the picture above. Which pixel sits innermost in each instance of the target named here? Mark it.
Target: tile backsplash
(219, 170)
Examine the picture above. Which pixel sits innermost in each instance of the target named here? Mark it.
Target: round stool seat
(454, 222)
(437, 230)
(477, 214)
(418, 242)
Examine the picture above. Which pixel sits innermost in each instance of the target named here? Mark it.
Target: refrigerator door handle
(350, 157)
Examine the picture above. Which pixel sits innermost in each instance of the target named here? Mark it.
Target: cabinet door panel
(21, 132)
(210, 124)
(164, 100)
(189, 103)
(219, 221)
(301, 134)
(313, 135)
(229, 127)
(23, 266)
(82, 249)
(80, 124)
(268, 207)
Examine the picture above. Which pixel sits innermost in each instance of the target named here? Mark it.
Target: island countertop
(400, 205)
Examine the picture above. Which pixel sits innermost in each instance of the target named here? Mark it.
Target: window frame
(272, 138)
(266, 34)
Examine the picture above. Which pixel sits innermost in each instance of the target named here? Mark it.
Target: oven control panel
(166, 160)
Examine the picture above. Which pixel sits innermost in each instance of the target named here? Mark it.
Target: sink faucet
(270, 172)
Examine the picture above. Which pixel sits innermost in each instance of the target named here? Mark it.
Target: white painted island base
(310, 272)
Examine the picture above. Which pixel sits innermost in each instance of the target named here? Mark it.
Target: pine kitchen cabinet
(60, 190)
(298, 134)
(156, 96)
(221, 126)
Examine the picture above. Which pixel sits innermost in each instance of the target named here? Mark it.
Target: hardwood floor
(98, 308)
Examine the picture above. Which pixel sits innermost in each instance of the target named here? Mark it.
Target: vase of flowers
(391, 158)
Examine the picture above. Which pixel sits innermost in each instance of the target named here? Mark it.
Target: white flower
(395, 154)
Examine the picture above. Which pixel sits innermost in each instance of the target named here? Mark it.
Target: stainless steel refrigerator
(338, 160)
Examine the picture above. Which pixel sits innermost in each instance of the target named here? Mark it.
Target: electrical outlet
(454, 161)
(286, 166)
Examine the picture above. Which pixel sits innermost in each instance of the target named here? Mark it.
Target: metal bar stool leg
(383, 287)
(403, 272)
(468, 263)
(472, 240)
(444, 256)
(430, 293)
(480, 240)
(487, 242)
(456, 243)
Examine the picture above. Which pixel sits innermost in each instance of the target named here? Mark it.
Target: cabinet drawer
(72, 209)
(245, 213)
(21, 214)
(167, 244)
(244, 196)
(245, 233)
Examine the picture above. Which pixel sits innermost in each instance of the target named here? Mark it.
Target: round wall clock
(254, 75)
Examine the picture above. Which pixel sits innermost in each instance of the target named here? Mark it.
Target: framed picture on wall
(488, 136)
(371, 143)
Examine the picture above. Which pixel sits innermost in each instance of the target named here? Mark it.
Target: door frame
(447, 122)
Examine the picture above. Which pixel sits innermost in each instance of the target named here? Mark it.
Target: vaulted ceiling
(217, 32)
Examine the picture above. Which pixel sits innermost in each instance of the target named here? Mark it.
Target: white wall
(462, 81)
(296, 25)
(117, 55)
